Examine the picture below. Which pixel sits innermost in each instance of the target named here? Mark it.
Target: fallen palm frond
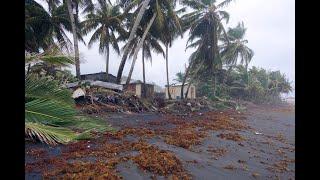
(47, 107)
(49, 134)
(48, 112)
(43, 88)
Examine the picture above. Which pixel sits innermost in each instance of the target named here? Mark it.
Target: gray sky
(270, 32)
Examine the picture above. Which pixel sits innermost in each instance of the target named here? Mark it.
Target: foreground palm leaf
(48, 112)
(49, 134)
(48, 106)
(44, 88)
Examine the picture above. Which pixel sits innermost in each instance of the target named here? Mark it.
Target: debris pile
(112, 102)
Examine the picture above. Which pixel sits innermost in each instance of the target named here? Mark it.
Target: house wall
(138, 90)
(175, 92)
(149, 90)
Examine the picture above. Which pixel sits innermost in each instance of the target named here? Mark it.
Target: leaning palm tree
(106, 20)
(237, 47)
(206, 27)
(153, 11)
(150, 44)
(164, 23)
(143, 7)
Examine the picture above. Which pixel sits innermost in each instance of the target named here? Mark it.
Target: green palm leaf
(42, 88)
(49, 134)
(48, 112)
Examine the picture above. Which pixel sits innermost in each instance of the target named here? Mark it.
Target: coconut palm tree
(231, 52)
(140, 43)
(42, 27)
(153, 11)
(150, 44)
(143, 7)
(206, 27)
(166, 25)
(172, 29)
(106, 21)
(75, 38)
(180, 77)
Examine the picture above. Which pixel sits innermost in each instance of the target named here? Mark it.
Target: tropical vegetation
(219, 64)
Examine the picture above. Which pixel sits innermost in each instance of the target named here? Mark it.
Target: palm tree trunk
(139, 47)
(184, 81)
(107, 63)
(167, 70)
(144, 75)
(75, 38)
(132, 34)
(186, 95)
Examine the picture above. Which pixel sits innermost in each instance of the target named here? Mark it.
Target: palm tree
(140, 44)
(106, 20)
(75, 38)
(237, 48)
(165, 27)
(180, 77)
(154, 10)
(150, 44)
(172, 29)
(88, 7)
(42, 27)
(142, 9)
(206, 27)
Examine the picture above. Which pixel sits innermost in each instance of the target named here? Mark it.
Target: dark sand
(255, 158)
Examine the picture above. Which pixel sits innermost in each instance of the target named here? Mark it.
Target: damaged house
(136, 87)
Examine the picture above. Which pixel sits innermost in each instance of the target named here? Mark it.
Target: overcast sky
(270, 32)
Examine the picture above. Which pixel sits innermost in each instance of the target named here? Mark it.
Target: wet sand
(266, 153)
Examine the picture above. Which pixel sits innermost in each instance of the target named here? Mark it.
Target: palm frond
(49, 134)
(43, 88)
(49, 112)
(224, 3)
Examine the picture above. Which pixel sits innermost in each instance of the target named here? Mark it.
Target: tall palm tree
(143, 7)
(206, 27)
(172, 29)
(43, 27)
(139, 45)
(231, 52)
(166, 24)
(75, 38)
(153, 10)
(106, 20)
(150, 44)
